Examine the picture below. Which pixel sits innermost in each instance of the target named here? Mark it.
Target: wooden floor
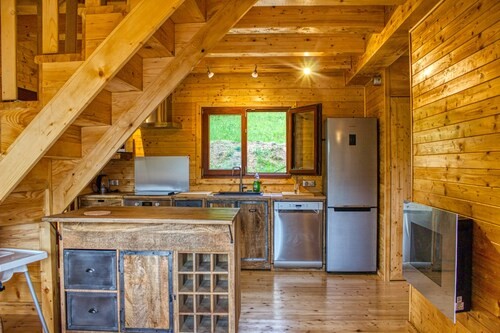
(321, 302)
(303, 302)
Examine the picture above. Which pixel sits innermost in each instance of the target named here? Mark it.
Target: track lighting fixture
(210, 74)
(254, 73)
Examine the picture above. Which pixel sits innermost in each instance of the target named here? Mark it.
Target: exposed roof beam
(177, 69)
(60, 112)
(385, 48)
(273, 64)
(328, 2)
(272, 45)
(312, 20)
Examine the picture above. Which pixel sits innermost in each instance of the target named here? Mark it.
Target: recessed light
(306, 70)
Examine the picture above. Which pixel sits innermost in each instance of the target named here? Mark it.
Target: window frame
(206, 112)
(316, 109)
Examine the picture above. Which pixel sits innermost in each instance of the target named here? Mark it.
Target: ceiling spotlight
(210, 74)
(306, 70)
(254, 73)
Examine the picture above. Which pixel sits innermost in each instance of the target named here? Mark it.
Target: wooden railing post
(48, 22)
(8, 42)
(71, 26)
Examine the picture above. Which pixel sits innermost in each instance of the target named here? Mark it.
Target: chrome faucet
(241, 176)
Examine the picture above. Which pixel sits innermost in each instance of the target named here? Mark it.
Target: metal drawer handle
(252, 210)
(90, 270)
(93, 310)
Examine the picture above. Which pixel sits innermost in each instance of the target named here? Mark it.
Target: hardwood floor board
(321, 302)
(21, 324)
(303, 302)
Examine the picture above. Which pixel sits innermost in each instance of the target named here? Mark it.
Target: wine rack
(203, 292)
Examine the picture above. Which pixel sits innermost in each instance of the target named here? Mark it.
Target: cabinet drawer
(90, 269)
(85, 202)
(91, 311)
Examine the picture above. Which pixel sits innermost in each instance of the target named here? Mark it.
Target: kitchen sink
(237, 193)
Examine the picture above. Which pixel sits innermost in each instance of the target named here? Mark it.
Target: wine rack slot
(203, 292)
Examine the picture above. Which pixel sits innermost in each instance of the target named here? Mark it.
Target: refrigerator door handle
(352, 209)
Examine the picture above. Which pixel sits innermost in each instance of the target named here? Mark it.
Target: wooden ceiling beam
(328, 2)
(289, 45)
(60, 112)
(385, 48)
(312, 20)
(273, 64)
(144, 103)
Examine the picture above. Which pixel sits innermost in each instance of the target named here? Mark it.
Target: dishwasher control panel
(298, 205)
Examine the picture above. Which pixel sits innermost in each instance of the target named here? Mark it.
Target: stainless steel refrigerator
(351, 191)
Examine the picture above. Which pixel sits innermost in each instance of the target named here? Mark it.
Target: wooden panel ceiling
(285, 35)
(288, 35)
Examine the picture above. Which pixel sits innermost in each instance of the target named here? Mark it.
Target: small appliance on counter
(101, 184)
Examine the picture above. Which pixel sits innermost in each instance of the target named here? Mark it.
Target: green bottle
(256, 183)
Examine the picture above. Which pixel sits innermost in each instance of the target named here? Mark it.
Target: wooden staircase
(89, 104)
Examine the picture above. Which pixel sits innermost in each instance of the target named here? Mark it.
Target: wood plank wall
(389, 102)
(377, 104)
(20, 214)
(197, 90)
(456, 144)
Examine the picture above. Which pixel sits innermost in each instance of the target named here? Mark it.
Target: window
(258, 140)
(254, 139)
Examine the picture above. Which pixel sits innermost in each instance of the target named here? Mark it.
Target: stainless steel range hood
(162, 116)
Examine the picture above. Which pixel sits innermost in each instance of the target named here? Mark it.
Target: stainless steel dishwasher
(298, 234)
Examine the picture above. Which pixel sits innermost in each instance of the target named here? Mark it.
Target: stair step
(15, 116)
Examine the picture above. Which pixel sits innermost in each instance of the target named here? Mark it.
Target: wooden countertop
(179, 215)
(304, 195)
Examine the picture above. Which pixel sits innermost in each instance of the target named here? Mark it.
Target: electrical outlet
(114, 182)
(308, 183)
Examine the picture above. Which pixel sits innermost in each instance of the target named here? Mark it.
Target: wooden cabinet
(254, 231)
(145, 281)
(157, 270)
(146, 289)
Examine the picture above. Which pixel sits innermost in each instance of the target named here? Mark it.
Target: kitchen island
(160, 269)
